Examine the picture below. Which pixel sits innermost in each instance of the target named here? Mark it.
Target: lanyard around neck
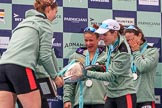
(88, 62)
(143, 48)
(133, 66)
(110, 50)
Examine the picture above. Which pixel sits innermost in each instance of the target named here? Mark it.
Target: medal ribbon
(133, 66)
(87, 62)
(110, 50)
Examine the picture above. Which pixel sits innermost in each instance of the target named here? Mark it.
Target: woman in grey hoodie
(145, 61)
(118, 77)
(30, 44)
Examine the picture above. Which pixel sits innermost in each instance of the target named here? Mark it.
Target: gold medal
(89, 83)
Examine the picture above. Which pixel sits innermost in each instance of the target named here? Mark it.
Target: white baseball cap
(107, 25)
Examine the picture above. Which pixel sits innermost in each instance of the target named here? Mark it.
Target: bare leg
(7, 99)
(31, 99)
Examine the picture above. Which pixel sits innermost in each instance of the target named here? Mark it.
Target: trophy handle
(67, 77)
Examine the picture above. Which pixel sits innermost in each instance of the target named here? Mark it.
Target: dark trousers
(126, 101)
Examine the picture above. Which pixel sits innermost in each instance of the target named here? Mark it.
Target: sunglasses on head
(91, 29)
(131, 27)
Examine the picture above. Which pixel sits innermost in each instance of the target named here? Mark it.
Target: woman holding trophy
(90, 91)
(118, 77)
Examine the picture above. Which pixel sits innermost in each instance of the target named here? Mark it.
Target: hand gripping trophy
(71, 73)
(76, 71)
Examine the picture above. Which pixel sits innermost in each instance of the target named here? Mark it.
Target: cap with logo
(107, 25)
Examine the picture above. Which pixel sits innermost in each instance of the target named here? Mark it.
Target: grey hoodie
(31, 43)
